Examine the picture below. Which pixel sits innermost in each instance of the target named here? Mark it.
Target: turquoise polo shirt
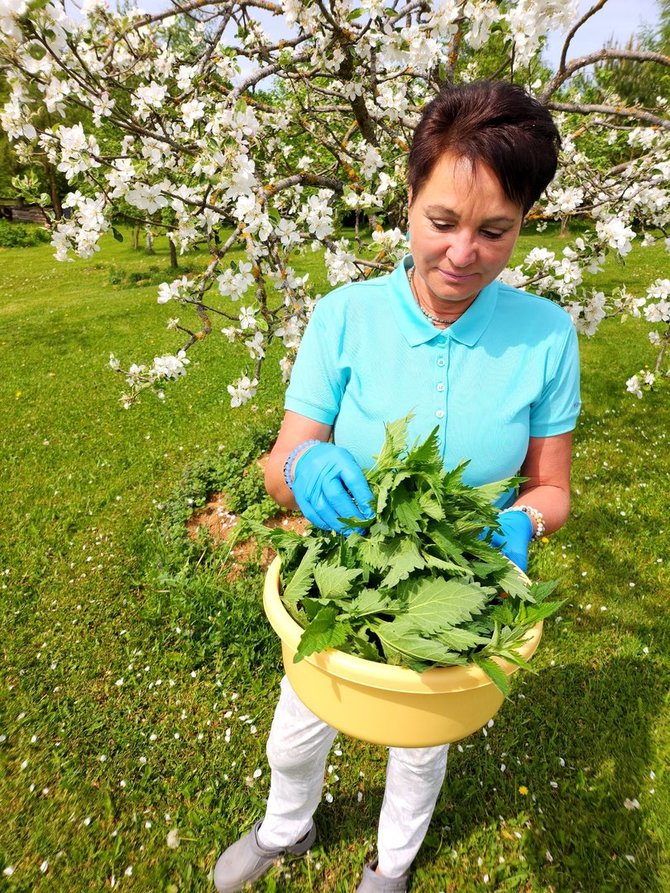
(506, 370)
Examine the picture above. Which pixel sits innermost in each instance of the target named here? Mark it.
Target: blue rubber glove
(328, 484)
(516, 532)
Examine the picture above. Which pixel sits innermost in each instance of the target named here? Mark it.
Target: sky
(618, 20)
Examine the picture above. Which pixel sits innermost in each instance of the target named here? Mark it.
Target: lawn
(138, 678)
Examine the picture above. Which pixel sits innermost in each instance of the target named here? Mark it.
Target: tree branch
(257, 76)
(591, 59)
(568, 40)
(619, 111)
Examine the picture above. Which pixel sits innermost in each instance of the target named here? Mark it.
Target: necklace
(437, 319)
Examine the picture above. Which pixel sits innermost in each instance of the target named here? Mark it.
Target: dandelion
(523, 790)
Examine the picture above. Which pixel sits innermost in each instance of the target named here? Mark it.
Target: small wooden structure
(14, 209)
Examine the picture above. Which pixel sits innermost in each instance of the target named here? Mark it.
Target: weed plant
(138, 679)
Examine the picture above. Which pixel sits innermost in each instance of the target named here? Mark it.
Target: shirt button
(440, 386)
(442, 339)
(441, 361)
(440, 414)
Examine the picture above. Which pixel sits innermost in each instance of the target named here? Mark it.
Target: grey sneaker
(247, 859)
(376, 883)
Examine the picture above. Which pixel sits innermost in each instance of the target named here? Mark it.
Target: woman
(494, 368)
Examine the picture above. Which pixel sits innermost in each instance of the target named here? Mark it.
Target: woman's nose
(461, 250)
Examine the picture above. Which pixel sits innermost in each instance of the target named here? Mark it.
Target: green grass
(95, 772)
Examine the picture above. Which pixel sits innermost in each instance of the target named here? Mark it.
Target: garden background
(139, 680)
(138, 674)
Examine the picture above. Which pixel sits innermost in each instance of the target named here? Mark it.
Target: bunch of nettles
(421, 586)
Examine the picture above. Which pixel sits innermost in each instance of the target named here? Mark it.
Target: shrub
(20, 235)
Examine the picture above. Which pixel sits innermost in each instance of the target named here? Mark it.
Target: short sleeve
(557, 409)
(318, 378)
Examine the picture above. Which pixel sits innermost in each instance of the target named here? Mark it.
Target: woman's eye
(442, 225)
(490, 234)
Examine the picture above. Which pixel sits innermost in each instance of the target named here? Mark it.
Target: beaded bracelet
(288, 465)
(534, 514)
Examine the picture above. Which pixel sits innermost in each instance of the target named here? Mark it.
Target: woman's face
(462, 229)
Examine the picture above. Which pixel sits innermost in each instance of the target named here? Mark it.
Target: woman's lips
(456, 277)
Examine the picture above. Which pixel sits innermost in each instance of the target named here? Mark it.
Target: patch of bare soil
(221, 524)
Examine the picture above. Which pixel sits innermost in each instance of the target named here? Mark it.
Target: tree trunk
(53, 189)
(149, 243)
(136, 237)
(174, 265)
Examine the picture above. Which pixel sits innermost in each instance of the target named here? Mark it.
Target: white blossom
(242, 391)
(192, 111)
(248, 317)
(77, 151)
(255, 346)
(617, 235)
(10, 11)
(149, 96)
(168, 291)
(148, 197)
(170, 366)
(173, 840)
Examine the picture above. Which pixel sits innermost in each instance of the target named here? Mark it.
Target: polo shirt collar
(414, 326)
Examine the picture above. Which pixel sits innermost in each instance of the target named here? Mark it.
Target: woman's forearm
(295, 429)
(552, 501)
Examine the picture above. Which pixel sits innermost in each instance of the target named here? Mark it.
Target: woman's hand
(516, 532)
(328, 484)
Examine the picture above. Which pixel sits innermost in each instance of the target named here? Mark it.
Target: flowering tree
(201, 120)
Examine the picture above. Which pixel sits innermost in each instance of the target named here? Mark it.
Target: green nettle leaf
(426, 453)
(539, 591)
(334, 582)
(418, 587)
(456, 638)
(301, 581)
(415, 647)
(495, 673)
(512, 583)
(363, 647)
(372, 553)
(405, 559)
(535, 613)
(407, 510)
(439, 603)
(312, 606)
(431, 506)
(370, 601)
(395, 444)
(323, 632)
(383, 491)
(493, 491)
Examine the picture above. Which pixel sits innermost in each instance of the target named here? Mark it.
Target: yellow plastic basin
(375, 702)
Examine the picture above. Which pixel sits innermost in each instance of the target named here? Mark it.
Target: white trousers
(297, 749)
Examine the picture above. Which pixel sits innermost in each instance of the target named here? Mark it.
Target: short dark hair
(494, 123)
